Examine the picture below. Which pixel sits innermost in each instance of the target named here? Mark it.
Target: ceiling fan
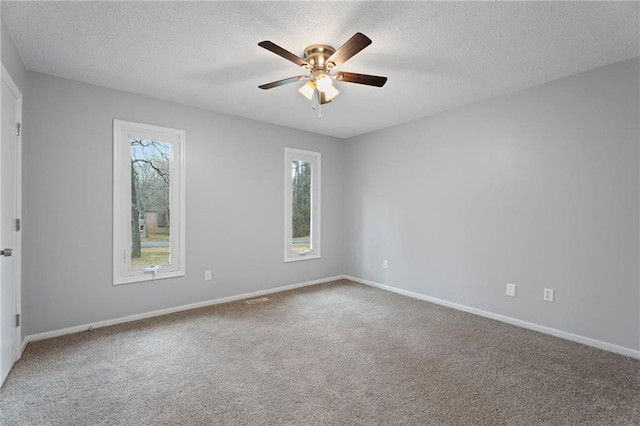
(320, 60)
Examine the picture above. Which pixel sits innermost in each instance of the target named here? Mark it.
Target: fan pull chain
(319, 104)
(313, 100)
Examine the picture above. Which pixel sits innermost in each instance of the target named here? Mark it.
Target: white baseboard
(106, 323)
(509, 320)
(633, 353)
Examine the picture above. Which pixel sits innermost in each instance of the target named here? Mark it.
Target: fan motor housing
(317, 54)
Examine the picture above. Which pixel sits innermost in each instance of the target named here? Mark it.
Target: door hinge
(18, 129)
(17, 224)
(17, 320)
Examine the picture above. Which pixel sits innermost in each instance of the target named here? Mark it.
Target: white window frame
(314, 158)
(123, 132)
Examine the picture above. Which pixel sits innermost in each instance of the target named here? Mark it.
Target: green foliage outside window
(301, 171)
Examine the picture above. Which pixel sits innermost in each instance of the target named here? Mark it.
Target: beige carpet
(338, 353)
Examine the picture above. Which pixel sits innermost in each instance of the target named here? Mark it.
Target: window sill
(147, 277)
(303, 257)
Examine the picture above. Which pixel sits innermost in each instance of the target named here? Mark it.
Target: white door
(9, 273)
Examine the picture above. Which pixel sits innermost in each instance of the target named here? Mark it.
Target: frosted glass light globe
(323, 83)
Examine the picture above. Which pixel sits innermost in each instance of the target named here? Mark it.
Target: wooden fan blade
(369, 80)
(354, 45)
(272, 47)
(282, 82)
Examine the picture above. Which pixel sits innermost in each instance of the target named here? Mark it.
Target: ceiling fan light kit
(320, 60)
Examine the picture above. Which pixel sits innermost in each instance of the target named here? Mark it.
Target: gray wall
(235, 205)
(11, 59)
(539, 188)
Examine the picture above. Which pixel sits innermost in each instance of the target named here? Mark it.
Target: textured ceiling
(437, 55)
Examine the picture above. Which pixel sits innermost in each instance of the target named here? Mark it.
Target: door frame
(18, 170)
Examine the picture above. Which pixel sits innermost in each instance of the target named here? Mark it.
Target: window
(148, 180)
(302, 205)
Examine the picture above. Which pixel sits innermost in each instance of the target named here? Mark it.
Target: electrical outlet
(511, 290)
(207, 275)
(385, 264)
(548, 295)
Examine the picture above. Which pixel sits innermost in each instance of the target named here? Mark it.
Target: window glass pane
(150, 202)
(301, 205)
